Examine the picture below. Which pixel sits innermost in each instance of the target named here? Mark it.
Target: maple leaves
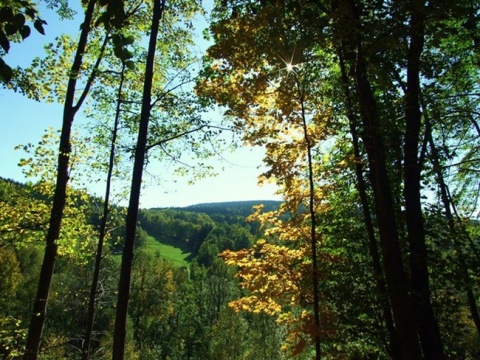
(267, 271)
(274, 103)
(277, 276)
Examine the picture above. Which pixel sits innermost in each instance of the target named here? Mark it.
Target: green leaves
(130, 65)
(24, 32)
(114, 15)
(4, 42)
(120, 43)
(19, 20)
(6, 71)
(14, 22)
(38, 24)
(13, 18)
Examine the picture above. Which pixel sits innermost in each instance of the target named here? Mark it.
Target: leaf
(127, 54)
(19, 20)
(38, 24)
(128, 40)
(116, 12)
(4, 43)
(30, 12)
(6, 14)
(24, 31)
(117, 40)
(130, 65)
(10, 29)
(6, 72)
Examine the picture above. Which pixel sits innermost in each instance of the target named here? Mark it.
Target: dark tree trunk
(397, 283)
(103, 228)
(313, 232)
(372, 241)
(396, 278)
(132, 213)
(425, 319)
(40, 305)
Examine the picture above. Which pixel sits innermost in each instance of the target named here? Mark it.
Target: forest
(369, 116)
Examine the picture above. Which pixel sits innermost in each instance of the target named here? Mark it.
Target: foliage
(14, 15)
(348, 69)
(193, 310)
(39, 166)
(356, 104)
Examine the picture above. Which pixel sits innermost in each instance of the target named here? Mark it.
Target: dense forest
(180, 290)
(369, 116)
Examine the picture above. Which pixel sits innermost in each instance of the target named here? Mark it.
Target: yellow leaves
(256, 305)
(266, 271)
(277, 270)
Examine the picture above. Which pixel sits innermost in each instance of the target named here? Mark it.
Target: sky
(24, 121)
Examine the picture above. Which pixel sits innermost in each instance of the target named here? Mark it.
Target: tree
(298, 127)
(103, 227)
(57, 211)
(389, 60)
(131, 220)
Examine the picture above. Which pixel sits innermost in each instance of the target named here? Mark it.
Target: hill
(242, 208)
(180, 234)
(203, 230)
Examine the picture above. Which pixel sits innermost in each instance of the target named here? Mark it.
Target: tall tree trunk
(132, 213)
(372, 241)
(427, 324)
(397, 282)
(103, 227)
(313, 229)
(40, 305)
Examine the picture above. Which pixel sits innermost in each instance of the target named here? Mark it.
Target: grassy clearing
(175, 255)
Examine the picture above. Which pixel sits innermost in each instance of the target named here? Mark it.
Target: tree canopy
(368, 114)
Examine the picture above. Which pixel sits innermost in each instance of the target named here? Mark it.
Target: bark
(132, 212)
(385, 211)
(102, 230)
(313, 233)
(425, 319)
(372, 241)
(40, 304)
(396, 279)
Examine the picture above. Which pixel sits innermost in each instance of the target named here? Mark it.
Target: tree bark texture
(425, 319)
(372, 241)
(120, 330)
(40, 304)
(395, 275)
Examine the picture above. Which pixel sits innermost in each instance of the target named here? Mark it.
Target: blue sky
(24, 121)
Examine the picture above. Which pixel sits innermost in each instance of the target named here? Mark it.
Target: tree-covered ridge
(186, 228)
(242, 208)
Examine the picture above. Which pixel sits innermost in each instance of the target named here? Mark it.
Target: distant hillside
(201, 231)
(242, 208)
